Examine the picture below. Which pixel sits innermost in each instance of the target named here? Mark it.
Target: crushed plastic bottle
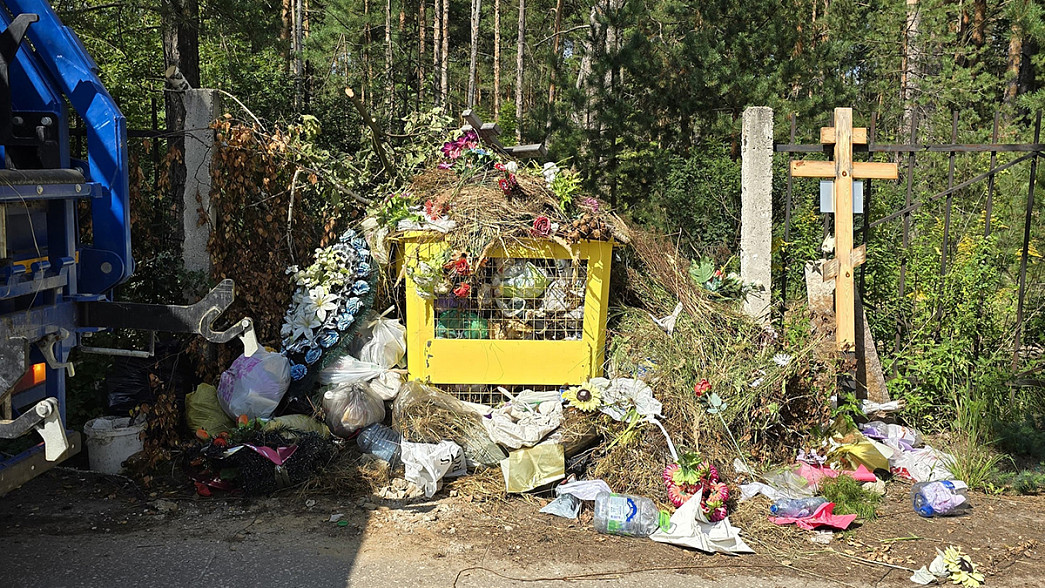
(631, 516)
(796, 508)
(380, 440)
(940, 498)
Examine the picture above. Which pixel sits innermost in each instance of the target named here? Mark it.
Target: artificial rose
(542, 227)
(701, 387)
(462, 290)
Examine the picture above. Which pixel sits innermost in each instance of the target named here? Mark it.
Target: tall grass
(974, 459)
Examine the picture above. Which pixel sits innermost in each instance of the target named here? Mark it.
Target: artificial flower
(462, 290)
(962, 570)
(585, 397)
(669, 474)
(542, 227)
(701, 387)
(508, 184)
(499, 167)
(590, 203)
(678, 495)
(302, 324)
(511, 167)
(321, 301)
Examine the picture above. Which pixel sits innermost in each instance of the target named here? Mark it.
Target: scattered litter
(350, 407)
(517, 425)
(797, 508)
(816, 473)
(822, 537)
(566, 506)
(620, 395)
(823, 516)
(380, 341)
(583, 489)
(688, 527)
(627, 515)
(782, 359)
(336, 517)
(667, 323)
(310, 503)
(940, 498)
(427, 464)
(526, 469)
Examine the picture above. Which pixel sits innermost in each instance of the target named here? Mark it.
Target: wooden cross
(490, 133)
(843, 170)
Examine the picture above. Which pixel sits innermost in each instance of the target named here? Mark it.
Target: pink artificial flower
(678, 495)
(542, 227)
(669, 473)
(590, 203)
(445, 165)
(701, 387)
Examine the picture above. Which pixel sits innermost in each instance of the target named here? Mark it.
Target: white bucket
(110, 441)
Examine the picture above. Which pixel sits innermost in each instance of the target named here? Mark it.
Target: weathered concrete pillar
(756, 197)
(201, 108)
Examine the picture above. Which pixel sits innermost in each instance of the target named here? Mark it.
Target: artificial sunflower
(584, 397)
(961, 568)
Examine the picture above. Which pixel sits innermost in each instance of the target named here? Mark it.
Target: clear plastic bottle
(380, 440)
(796, 508)
(632, 516)
(940, 498)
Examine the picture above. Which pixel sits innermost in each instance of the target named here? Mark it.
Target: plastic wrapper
(387, 385)
(254, 385)
(350, 407)
(517, 425)
(456, 420)
(526, 469)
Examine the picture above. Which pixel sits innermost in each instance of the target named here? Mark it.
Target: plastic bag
(203, 411)
(426, 464)
(254, 385)
(387, 385)
(523, 281)
(349, 370)
(464, 418)
(297, 423)
(517, 425)
(350, 407)
(381, 341)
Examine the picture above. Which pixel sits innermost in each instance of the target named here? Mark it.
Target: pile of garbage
(658, 448)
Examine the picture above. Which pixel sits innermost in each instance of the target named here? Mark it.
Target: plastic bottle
(632, 516)
(380, 440)
(796, 508)
(940, 498)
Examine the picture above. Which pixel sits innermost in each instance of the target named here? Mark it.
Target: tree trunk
(389, 74)
(555, 65)
(476, 7)
(496, 59)
(979, 22)
(299, 68)
(519, 71)
(436, 47)
(444, 65)
(422, 24)
(180, 21)
(368, 69)
(1015, 62)
(911, 66)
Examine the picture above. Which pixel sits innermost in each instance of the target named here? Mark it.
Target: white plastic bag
(350, 407)
(349, 370)
(387, 385)
(381, 341)
(518, 425)
(254, 385)
(426, 464)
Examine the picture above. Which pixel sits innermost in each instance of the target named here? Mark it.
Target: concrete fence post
(756, 197)
(201, 108)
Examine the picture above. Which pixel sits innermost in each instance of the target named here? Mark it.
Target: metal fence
(907, 155)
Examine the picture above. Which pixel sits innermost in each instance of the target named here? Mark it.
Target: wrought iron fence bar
(1026, 245)
(945, 249)
(944, 148)
(906, 235)
(914, 206)
(990, 181)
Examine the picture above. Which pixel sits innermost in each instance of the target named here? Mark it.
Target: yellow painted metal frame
(494, 361)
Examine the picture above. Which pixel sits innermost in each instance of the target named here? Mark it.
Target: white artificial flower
(512, 167)
(303, 324)
(321, 301)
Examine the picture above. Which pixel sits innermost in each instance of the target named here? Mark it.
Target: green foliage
(566, 185)
(975, 461)
(850, 497)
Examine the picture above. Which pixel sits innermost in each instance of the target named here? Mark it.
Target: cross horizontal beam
(862, 170)
(827, 135)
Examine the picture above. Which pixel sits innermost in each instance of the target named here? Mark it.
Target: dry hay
(349, 474)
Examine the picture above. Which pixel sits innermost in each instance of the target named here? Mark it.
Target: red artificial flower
(462, 290)
(499, 167)
(701, 387)
(542, 227)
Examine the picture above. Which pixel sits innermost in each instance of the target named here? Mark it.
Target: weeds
(850, 497)
(975, 462)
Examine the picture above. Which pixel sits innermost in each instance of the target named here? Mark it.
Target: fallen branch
(379, 135)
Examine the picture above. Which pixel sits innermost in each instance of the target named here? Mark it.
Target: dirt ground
(71, 527)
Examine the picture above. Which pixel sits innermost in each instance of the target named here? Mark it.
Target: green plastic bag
(202, 411)
(523, 281)
(460, 324)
